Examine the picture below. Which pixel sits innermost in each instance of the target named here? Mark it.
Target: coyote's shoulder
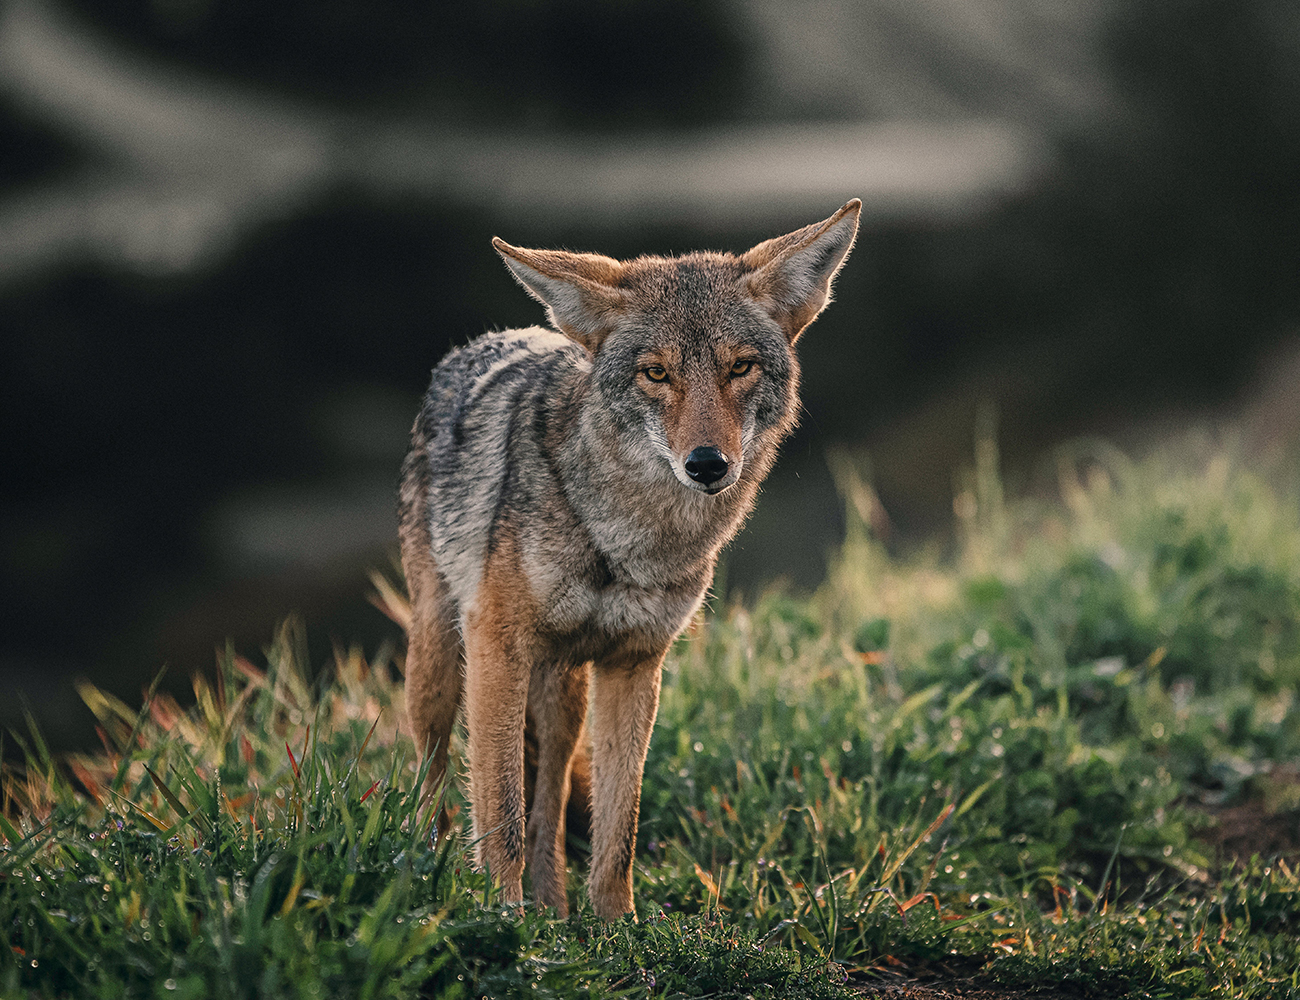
(476, 426)
(562, 508)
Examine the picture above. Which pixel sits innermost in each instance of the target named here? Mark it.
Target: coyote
(562, 506)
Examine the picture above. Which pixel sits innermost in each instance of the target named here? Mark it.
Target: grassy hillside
(1015, 760)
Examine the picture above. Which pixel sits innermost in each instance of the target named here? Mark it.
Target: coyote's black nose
(706, 465)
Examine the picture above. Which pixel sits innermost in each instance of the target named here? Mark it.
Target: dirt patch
(957, 979)
(970, 988)
(1267, 824)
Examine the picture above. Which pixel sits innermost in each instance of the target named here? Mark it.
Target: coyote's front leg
(625, 700)
(497, 670)
(557, 701)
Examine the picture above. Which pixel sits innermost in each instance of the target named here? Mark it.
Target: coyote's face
(698, 368)
(695, 354)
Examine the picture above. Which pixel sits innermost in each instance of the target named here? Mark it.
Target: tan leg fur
(557, 704)
(625, 700)
(509, 682)
(433, 665)
(500, 635)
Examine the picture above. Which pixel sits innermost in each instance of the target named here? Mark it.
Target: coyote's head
(697, 350)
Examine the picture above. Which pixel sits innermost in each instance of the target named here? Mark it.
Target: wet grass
(1001, 762)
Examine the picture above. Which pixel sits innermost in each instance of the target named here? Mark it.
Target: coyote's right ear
(791, 275)
(580, 290)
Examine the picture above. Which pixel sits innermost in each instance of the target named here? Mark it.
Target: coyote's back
(562, 508)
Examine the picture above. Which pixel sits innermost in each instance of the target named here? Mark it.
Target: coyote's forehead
(691, 287)
(696, 303)
(697, 276)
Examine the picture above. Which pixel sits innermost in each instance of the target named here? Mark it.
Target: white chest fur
(619, 607)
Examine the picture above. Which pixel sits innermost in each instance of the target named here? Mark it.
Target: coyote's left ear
(580, 290)
(791, 275)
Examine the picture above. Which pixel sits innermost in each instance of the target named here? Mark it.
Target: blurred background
(235, 237)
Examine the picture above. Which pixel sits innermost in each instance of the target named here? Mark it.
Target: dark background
(236, 236)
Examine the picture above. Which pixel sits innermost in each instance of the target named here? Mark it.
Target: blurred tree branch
(180, 165)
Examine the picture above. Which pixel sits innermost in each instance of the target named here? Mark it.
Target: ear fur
(791, 275)
(580, 290)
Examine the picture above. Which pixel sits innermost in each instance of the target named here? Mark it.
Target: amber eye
(741, 368)
(655, 373)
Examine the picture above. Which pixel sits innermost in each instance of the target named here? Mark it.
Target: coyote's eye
(741, 368)
(655, 373)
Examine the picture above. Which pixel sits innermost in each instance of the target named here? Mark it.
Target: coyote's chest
(603, 604)
(623, 611)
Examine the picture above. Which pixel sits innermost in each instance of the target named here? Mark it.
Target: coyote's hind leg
(433, 672)
(434, 650)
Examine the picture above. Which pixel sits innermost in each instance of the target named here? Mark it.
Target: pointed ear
(791, 275)
(580, 290)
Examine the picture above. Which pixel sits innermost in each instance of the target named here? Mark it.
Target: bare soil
(970, 991)
(960, 988)
(1267, 824)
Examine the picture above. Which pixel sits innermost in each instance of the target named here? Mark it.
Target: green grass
(997, 763)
